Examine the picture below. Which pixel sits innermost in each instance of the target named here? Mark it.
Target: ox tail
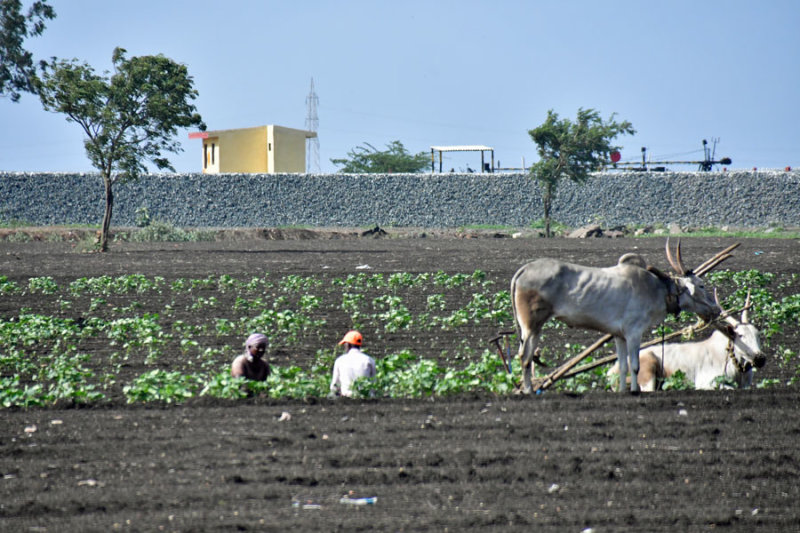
(527, 347)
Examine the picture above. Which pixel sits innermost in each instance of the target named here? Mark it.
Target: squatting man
(251, 364)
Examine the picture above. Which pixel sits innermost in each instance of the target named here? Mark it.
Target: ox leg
(531, 313)
(622, 359)
(526, 351)
(633, 354)
(649, 371)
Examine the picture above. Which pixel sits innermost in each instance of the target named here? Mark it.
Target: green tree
(17, 68)
(128, 119)
(368, 160)
(572, 150)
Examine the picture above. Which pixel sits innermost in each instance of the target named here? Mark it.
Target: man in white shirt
(351, 365)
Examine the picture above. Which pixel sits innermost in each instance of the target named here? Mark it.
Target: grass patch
(159, 231)
(754, 233)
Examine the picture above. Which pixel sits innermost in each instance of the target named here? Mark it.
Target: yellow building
(262, 149)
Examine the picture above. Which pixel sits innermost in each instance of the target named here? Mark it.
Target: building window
(213, 147)
(205, 156)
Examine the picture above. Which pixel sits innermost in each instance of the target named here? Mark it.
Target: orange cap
(352, 337)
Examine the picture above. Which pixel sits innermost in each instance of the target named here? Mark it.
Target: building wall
(288, 149)
(259, 150)
(211, 155)
(243, 150)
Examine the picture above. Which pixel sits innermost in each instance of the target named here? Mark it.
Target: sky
(442, 72)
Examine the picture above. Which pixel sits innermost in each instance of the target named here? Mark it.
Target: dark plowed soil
(667, 461)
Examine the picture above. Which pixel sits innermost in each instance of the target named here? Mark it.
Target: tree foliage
(17, 68)
(395, 159)
(572, 150)
(128, 119)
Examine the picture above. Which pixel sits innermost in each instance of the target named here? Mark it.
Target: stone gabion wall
(738, 198)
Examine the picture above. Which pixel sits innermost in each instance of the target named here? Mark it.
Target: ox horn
(727, 329)
(677, 266)
(724, 315)
(711, 263)
(746, 310)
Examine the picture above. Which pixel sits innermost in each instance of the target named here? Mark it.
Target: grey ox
(624, 300)
(731, 353)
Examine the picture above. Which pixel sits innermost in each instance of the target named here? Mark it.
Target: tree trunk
(107, 215)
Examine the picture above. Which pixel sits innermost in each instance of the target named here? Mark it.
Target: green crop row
(143, 339)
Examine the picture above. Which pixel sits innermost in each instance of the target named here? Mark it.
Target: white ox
(624, 301)
(732, 354)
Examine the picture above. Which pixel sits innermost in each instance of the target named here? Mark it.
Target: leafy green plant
(9, 287)
(160, 231)
(202, 303)
(293, 283)
(15, 394)
(351, 304)
(285, 324)
(436, 302)
(392, 313)
(139, 332)
(486, 374)
(677, 381)
(18, 236)
(43, 285)
(142, 217)
(208, 283)
(161, 385)
(401, 279)
(723, 382)
(180, 285)
(223, 385)
(294, 382)
(106, 285)
(69, 379)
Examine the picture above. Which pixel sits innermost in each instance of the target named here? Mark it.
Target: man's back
(349, 367)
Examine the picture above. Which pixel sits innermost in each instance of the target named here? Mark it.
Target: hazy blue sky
(448, 72)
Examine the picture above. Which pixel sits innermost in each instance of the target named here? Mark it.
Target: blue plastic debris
(359, 501)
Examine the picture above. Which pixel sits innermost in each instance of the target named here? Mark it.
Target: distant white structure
(312, 124)
(462, 148)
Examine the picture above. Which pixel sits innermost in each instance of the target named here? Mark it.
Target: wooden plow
(504, 338)
(567, 370)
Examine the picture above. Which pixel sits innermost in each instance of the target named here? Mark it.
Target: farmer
(251, 364)
(351, 365)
